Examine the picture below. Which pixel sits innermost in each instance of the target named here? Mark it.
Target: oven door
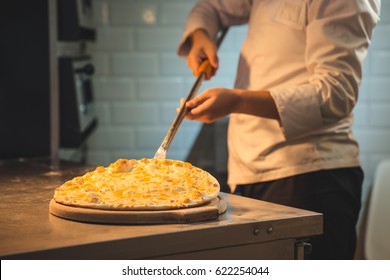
(77, 108)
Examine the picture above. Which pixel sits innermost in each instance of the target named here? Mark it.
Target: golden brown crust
(145, 184)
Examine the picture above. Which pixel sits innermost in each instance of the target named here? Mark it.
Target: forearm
(257, 103)
(215, 103)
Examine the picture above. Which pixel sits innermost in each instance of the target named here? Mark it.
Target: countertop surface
(27, 227)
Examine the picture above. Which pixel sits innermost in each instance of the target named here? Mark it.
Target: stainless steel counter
(250, 229)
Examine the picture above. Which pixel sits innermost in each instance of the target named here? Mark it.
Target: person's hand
(216, 103)
(212, 105)
(202, 48)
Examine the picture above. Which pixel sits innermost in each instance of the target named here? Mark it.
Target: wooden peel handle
(205, 67)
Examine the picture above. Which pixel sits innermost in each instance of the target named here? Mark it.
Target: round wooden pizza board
(208, 211)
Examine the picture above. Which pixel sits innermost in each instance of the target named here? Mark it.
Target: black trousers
(336, 193)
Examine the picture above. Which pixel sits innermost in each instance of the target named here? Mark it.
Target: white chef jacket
(309, 55)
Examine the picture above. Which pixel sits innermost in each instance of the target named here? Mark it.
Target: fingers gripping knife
(204, 69)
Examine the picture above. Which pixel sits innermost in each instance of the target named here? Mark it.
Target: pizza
(145, 184)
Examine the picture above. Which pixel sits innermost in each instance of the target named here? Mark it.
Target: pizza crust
(145, 184)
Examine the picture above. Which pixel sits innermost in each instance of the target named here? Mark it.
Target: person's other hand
(202, 48)
(212, 105)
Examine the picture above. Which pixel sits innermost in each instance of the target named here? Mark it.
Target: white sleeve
(338, 34)
(213, 15)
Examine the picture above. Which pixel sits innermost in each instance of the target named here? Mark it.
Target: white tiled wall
(140, 80)
(372, 113)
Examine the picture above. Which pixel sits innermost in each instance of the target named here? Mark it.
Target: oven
(77, 109)
(75, 20)
(27, 73)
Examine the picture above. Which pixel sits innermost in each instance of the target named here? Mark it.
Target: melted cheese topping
(146, 184)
